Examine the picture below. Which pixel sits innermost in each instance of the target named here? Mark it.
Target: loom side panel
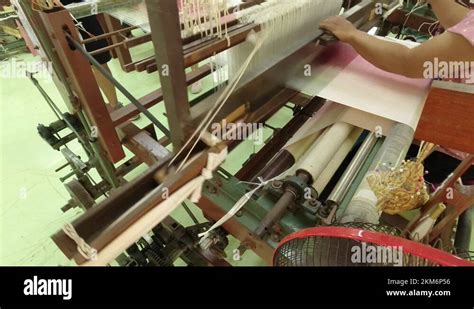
(447, 120)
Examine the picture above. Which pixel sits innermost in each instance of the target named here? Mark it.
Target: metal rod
(462, 242)
(64, 178)
(104, 165)
(108, 34)
(279, 210)
(282, 161)
(190, 213)
(62, 167)
(358, 179)
(342, 186)
(119, 86)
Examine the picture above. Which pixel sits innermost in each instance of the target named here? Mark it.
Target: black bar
(284, 286)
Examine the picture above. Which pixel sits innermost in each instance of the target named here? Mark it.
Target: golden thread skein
(402, 189)
(45, 5)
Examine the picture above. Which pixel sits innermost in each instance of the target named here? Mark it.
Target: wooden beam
(166, 34)
(125, 113)
(83, 81)
(123, 53)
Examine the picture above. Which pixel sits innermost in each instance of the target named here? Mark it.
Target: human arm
(449, 12)
(397, 58)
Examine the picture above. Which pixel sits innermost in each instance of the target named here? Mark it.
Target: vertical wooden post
(166, 35)
(83, 82)
(123, 54)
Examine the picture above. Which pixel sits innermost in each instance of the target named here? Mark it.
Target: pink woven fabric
(465, 27)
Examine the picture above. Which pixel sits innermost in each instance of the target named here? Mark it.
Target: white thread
(285, 27)
(213, 162)
(237, 206)
(294, 23)
(213, 111)
(153, 217)
(204, 17)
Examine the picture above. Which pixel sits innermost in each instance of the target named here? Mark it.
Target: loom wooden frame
(263, 95)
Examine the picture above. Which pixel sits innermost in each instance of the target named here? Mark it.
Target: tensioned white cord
(213, 111)
(237, 207)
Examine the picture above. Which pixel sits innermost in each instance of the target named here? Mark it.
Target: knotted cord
(83, 248)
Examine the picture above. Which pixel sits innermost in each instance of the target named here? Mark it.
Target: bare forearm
(399, 59)
(385, 55)
(448, 12)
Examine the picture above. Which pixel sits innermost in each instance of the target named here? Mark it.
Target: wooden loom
(264, 96)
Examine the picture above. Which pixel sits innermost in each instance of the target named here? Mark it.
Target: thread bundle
(402, 189)
(45, 5)
(204, 17)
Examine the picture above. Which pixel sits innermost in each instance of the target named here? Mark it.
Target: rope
(237, 207)
(148, 221)
(83, 248)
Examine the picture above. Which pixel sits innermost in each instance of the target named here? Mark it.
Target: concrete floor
(31, 194)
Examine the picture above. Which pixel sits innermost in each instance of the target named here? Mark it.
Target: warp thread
(285, 27)
(204, 17)
(293, 24)
(220, 102)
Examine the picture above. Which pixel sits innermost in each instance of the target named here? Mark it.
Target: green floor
(31, 194)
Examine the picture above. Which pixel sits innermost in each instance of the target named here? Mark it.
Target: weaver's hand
(340, 27)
